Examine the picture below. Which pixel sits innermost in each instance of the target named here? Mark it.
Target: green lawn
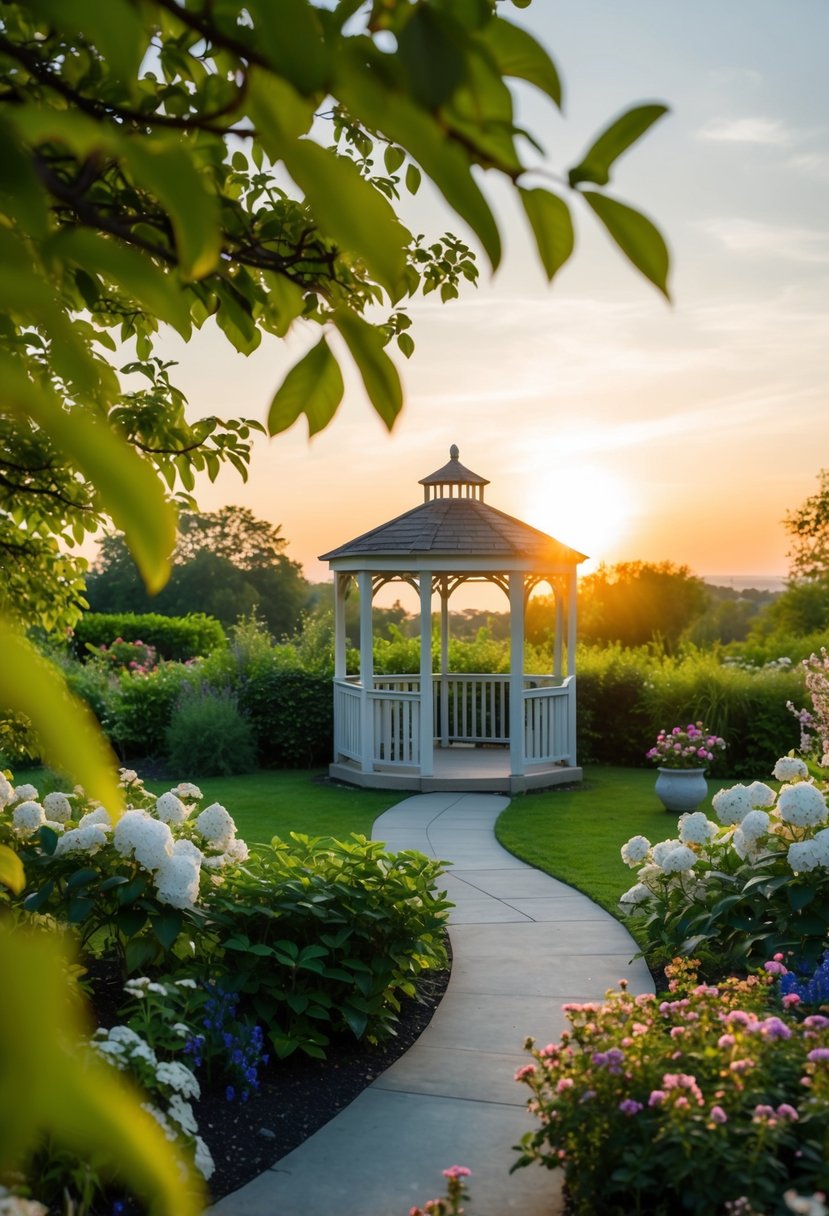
(575, 833)
(275, 802)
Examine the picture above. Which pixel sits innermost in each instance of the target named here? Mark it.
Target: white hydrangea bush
(767, 851)
(167, 847)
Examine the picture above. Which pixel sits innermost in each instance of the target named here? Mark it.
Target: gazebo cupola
(430, 730)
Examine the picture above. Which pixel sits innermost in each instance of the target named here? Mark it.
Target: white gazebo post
(427, 730)
(366, 673)
(516, 667)
(444, 662)
(571, 663)
(557, 587)
(341, 582)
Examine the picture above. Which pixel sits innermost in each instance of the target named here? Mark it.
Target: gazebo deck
(459, 768)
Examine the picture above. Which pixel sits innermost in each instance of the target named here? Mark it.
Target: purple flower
(629, 1107)
(818, 1054)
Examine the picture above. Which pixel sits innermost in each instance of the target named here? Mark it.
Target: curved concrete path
(523, 944)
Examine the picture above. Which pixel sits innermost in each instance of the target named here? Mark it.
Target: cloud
(756, 130)
(791, 242)
(813, 164)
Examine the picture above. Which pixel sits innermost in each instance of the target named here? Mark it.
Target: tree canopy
(808, 527)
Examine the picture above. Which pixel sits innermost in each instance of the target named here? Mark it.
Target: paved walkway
(523, 944)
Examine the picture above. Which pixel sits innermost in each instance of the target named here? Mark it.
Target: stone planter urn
(681, 789)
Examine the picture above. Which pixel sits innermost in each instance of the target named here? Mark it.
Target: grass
(575, 832)
(272, 802)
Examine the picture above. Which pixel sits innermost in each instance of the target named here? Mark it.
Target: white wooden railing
(466, 709)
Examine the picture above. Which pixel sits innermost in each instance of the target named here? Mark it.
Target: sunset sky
(628, 428)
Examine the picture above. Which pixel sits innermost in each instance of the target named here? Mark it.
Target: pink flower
(657, 1097)
(744, 1065)
(718, 1115)
(784, 1111)
(526, 1070)
(818, 1054)
(790, 1000)
(457, 1171)
(563, 1084)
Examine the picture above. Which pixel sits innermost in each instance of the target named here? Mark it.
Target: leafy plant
(207, 735)
(322, 937)
(641, 1090)
(174, 637)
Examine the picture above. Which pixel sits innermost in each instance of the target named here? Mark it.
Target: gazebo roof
(458, 526)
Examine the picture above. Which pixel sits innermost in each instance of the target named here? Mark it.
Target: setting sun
(587, 507)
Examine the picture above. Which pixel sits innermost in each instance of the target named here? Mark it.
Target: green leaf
(38, 899)
(139, 953)
(77, 910)
(516, 53)
(289, 35)
(167, 926)
(70, 737)
(12, 874)
(129, 489)
(624, 131)
(159, 294)
(114, 28)
(800, 896)
(413, 179)
(379, 374)
(168, 173)
(552, 227)
(384, 109)
(393, 158)
(355, 1020)
(636, 236)
(313, 387)
(429, 50)
(81, 878)
(133, 890)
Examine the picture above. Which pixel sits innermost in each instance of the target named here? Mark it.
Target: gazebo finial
(454, 452)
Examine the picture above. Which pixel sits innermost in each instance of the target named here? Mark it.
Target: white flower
(186, 790)
(179, 1078)
(28, 817)
(746, 847)
(25, 793)
(203, 1160)
(146, 839)
(111, 1048)
(181, 1113)
(6, 791)
(679, 859)
(807, 855)
(57, 806)
(732, 805)
(99, 816)
(789, 768)
(86, 839)
(161, 1119)
(237, 850)
(16, 1205)
(761, 794)
(650, 874)
(171, 809)
(696, 828)
(128, 776)
(802, 805)
(755, 825)
(181, 1029)
(635, 850)
(187, 983)
(216, 825)
(661, 850)
(636, 895)
(177, 881)
(138, 986)
(56, 827)
(123, 1034)
(806, 1205)
(186, 848)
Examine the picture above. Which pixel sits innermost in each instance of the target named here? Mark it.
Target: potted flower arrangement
(683, 755)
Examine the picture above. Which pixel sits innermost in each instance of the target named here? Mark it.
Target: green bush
(324, 937)
(291, 714)
(208, 737)
(174, 637)
(142, 709)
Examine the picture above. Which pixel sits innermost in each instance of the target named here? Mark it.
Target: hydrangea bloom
(661, 850)
(696, 828)
(802, 805)
(25, 793)
(87, 838)
(177, 881)
(6, 791)
(805, 855)
(146, 839)
(635, 850)
(170, 809)
(761, 794)
(99, 816)
(28, 817)
(732, 805)
(216, 826)
(187, 791)
(755, 824)
(58, 807)
(679, 859)
(636, 894)
(790, 768)
(179, 1078)
(202, 1159)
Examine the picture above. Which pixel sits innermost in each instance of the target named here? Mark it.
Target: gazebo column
(427, 729)
(558, 596)
(444, 662)
(366, 673)
(516, 679)
(571, 665)
(340, 585)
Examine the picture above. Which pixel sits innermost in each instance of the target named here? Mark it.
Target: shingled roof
(453, 526)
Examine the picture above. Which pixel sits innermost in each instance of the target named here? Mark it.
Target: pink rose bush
(706, 1097)
(691, 746)
(740, 887)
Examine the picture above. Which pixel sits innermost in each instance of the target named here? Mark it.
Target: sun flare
(587, 507)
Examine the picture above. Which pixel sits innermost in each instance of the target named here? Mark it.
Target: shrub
(742, 890)
(324, 937)
(291, 714)
(138, 657)
(688, 1104)
(174, 637)
(142, 709)
(208, 737)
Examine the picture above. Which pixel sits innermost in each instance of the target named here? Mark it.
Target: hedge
(174, 637)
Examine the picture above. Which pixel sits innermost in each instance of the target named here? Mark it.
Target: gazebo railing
(468, 708)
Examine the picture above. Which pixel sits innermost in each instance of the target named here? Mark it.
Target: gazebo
(447, 730)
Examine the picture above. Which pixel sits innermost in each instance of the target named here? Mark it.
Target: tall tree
(638, 602)
(808, 527)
